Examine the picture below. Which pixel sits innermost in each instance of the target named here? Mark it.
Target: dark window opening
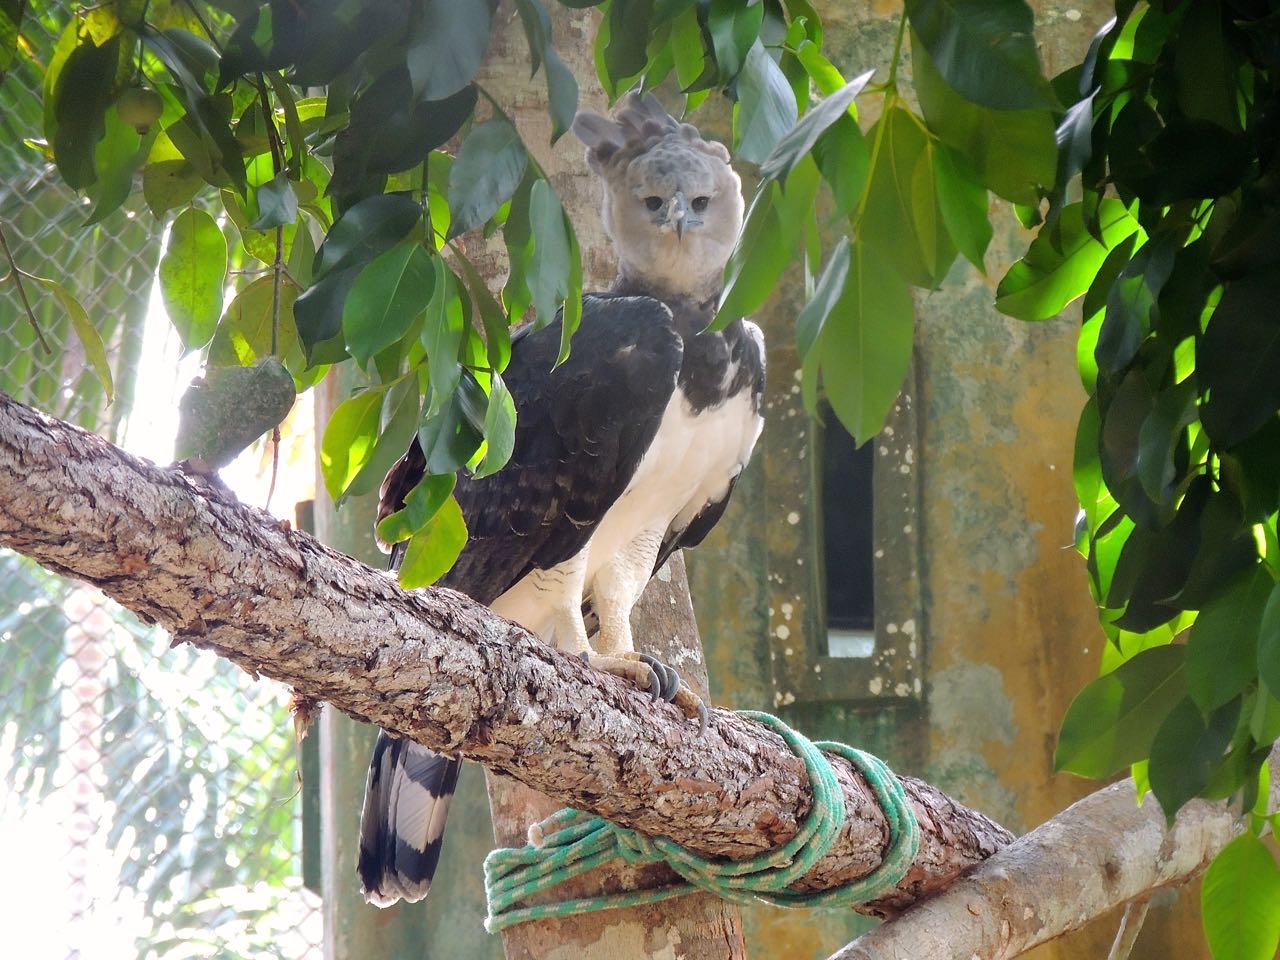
(847, 532)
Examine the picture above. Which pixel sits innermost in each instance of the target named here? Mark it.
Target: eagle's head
(672, 204)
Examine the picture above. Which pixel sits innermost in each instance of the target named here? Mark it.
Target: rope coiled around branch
(573, 843)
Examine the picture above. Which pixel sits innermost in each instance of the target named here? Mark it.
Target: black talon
(655, 682)
(704, 718)
(672, 686)
(668, 679)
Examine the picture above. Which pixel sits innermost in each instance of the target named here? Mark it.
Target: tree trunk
(434, 666)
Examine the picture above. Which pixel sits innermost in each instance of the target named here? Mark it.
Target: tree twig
(17, 274)
(1135, 914)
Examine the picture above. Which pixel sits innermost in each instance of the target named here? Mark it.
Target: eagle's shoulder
(582, 428)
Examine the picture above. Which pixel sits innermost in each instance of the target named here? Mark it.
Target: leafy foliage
(355, 200)
(1172, 244)
(1177, 453)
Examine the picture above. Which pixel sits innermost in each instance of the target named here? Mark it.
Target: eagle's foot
(651, 674)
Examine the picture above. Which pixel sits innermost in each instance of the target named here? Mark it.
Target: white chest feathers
(690, 464)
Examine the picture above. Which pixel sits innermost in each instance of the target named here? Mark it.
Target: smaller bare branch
(17, 274)
(1135, 914)
(1099, 853)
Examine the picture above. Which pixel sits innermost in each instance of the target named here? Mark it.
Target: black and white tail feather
(406, 804)
(402, 828)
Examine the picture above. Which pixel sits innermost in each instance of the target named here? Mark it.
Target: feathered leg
(615, 591)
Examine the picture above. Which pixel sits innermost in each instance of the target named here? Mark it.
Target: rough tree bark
(1097, 854)
(433, 665)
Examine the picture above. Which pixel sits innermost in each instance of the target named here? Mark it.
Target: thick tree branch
(1099, 853)
(433, 665)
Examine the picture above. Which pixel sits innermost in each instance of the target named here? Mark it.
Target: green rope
(573, 842)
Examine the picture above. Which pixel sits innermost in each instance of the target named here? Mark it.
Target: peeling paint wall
(1007, 633)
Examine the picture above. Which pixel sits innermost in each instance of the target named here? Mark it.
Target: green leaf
(734, 29)
(82, 94)
(318, 315)
(349, 440)
(758, 258)
(1269, 641)
(390, 131)
(844, 158)
(800, 140)
(244, 332)
(1238, 901)
(449, 438)
(830, 287)
(562, 94)
(687, 48)
(1113, 720)
(229, 408)
(400, 417)
(192, 274)
(1013, 152)
(386, 298)
(625, 40)
(571, 314)
(497, 327)
(985, 49)
(562, 88)
(10, 24)
(1237, 359)
(442, 336)
(1186, 751)
(371, 227)
(277, 203)
(117, 157)
(260, 244)
(865, 347)
(489, 167)
(766, 109)
(1161, 438)
(767, 241)
(167, 184)
(821, 71)
(964, 205)
(1264, 721)
(499, 428)
(901, 208)
(447, 44)
(420, 505)
(518, 237)
(94, 349)
(548, 270)
(1132, 299)
(1060, 267)
(433, 550)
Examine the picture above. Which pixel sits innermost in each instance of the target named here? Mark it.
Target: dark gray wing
(581, 430)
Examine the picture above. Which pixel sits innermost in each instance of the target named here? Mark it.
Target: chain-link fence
(150, 802)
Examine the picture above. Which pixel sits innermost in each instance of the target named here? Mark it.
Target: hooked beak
(676, 214)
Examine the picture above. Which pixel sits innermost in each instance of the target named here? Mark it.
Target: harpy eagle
(624, 453)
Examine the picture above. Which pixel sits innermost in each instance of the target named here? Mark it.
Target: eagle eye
(653, 203)
(700, 203)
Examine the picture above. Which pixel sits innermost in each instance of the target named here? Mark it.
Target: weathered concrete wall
(1008, 631)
